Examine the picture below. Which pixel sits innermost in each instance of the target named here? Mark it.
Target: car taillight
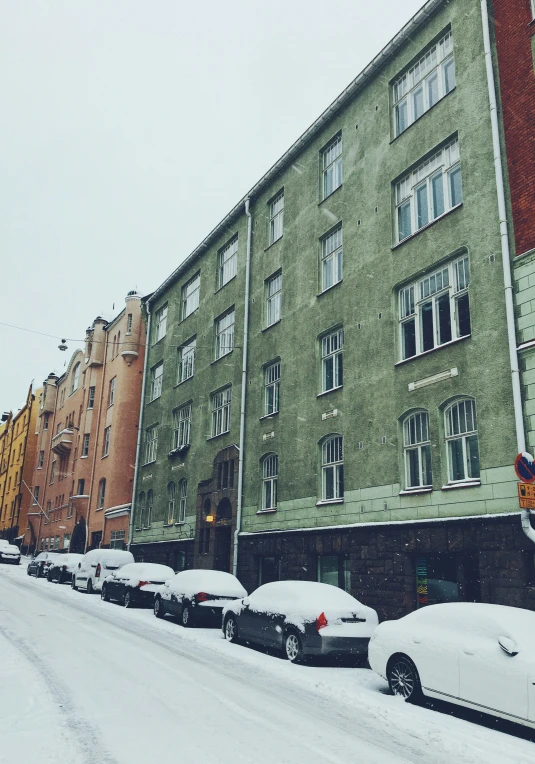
(201, 597)
(321, 622)
(143, 583)
(97, 572)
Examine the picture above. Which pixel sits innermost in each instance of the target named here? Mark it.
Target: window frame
(106, 441)
(75, 381)
(462, 437)
(101, 496)
(273, 299)
(270, 479)
(343, 570)
(224, 332)
(182, 492)
(160, 323)
(190, 299)
(111, 391)
(182, 426)
(148, 509)
(41, 460)
(85, 444)
(151, 444)
(221, 413)
(336, 356)
(227, 262)
(417, 440)
(332, 259)
(129, 320)
(276, 217)
(91, 397)
(171, 502)
(156, 380)
(185, 362)
(272, 383)
(334, 465)
(331, 166)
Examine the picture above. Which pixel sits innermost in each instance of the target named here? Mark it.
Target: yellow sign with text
(526, 495)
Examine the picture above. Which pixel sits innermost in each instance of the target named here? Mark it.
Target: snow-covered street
(84, 681)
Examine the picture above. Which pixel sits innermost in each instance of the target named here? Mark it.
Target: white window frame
(35, 494)
(273, 299)
(85, 444)
(106, 443)
(75, 379)
(156, 377)
(276, 217)
(171, 502)
(182, 500)
(151, 444)
(186, 360)
(227, 262)
(41, 460)
(426, 296)
(270, 477)
(460, 425)
(190, 295)
(91, 397)
(332, 359)
(111, 396)
(220, 404)
(430, 191)
(331, 166)
(332, 469)
(128, 330)
(224, 333)
(52, 473)
(429, 80)
(182, 426)
(101, 493)
(272, 377)
(417, 445)
(160, 323)
(331, 259)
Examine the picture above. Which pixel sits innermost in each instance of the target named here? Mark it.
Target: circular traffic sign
(525, 468)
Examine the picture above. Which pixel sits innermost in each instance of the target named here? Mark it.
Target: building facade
(330, 376)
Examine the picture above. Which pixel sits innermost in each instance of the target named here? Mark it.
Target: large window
(117, 539)
(334, 569)
(276, 217)
(190, 295)
(461, 441)
(332, 166)
(228, 262)
(272, 376)
(435, 309)
(75, 378)
(270, 476)
(148, 509)
(221, 411)
(332, 469)
(52, 473)
(106, 443)
(151, 444)
(269, 569)
(186, 360)
(417, 450)
(182, 497)
(332, 368)
(429, 80)
(36, 494)
(429, 191)
(171, 502)
(101, 493)
(182, 426)
(41, 460)
(141, 510)
(224, 334)
(111, 392)
(331, 259)
(85, 445)
(156, 376)
(91, 397)
(273, 299)
(160, 323)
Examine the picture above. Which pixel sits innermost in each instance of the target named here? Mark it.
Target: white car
(96, 565)
(10, 553)
(136, 583)
(4, 542)
(476, 655)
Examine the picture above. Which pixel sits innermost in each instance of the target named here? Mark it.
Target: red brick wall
(517, 84)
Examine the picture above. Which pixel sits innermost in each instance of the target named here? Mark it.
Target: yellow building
(18, 441)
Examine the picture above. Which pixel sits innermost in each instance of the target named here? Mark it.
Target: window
(128, 327)
(75, 378)
(332, 469)
(435, 309)
(148, 510)
(41, 460)
(332, 346)
(52, 472)
(156, 375)
(85, 446)
(272, 376)
(331, 259)
(224, 334)
(190, 296)
(117, 539)
(269, 569)
(221, 411)
(101, 493)
(276, 217)
(270, 474)
(151, 444)
(274, 299)
(111, 395)
(461, 441)
(171, 500)
(417, 449)
(81, 487)
(45, 423)
(228, 262)
(182, 426)
(533, 8)
(91, 398)
(66, 540)
(141, 510)
(332, 166)
(182, 496)
(160, 324)
(429, 191)
(334, 569)
(36, 495)
(429, 80)
(186, 360)
(106, 443)
(225, 475)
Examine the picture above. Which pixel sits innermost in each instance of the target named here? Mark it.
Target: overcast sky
(129, 128)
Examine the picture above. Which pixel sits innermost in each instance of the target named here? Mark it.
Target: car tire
(60, 578)
(127, 600)
(49, 577)
(89, 586)
(231, 629)
(104, 594)
(73, 583)
(159, 611)
(403, 678)
(28, 572)
(38, 572)
(186, 616)
(293, 648)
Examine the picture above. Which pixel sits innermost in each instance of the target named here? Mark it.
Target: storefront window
(334, 569)
(436, 581)
(269, 569)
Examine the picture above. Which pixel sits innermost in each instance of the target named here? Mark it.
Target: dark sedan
(39, 565)
(135, 583)
(62, 568)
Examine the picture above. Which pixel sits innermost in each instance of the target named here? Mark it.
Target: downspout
(506, 257)
(140, 427)
(243, 387)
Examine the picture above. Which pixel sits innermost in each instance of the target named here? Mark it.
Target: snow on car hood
(9, 549)
(135, 572)
(191, 582)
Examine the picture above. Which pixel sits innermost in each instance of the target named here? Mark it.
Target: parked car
(96, 565)
(301, 618)
(136, 583)
(10, 553)
(472, 654)
(39, 565)
(4, 542)
(61, 569)
(197, 596)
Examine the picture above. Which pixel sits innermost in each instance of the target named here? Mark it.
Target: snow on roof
(191, 582)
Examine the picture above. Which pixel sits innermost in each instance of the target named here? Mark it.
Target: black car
(39, 565)
(135, 583)
(61, 569)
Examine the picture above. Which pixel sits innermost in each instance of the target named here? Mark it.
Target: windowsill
(213, 437)
(168, 525)
(267, 511)
(268, 416)
(181, 523)
(154, 399)
(110, 405)
(225, 284)
(329, 288)
(90, 408)
(99, 509)
(425, 227)
(332, 390)
(155, 343)
(329, 196)
(186, 317)
(147, 463)
(273, 242)
(461, 484)
(137, 529)
(222, 356)
(146, 528)
(433, 350)
(423, 115)
(270, 326)
(416, 491)
(104, 456)
(323, 502)
(39, 468)
(84, 456)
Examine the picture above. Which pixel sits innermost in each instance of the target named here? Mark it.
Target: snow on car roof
(305, 597)
(146, 571)
(10, 548)
(190, 582)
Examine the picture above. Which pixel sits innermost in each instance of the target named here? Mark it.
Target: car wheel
(293, 648)
(186, 616)
(403, 678)
(61, 578)
(89, 586)
(104, 594)
(231, 629)
(49, 576)
(159, 612)
(73, 583)
(28, 571)
(38, 573)
(127, 601)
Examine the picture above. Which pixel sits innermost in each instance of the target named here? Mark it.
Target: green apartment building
(329, 379)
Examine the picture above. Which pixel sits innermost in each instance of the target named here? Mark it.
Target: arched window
(417, 450)
(461, 441)
(171, 501)
(270, 477)
(148, 512)
(182, 497)
(75, 378)
(141, 510)
(332, 469)
(101, 493)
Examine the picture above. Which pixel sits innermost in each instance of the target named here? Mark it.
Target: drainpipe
(243, 387)
(140, 427)
(506, 257)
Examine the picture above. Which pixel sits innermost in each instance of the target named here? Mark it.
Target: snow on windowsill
(416, 491)
(332, 390)
(328, 289)
(461, 484)
(268, 416)
(425, 227)
(322, 502)
(270, 326)
(433, 350)
(266, 511)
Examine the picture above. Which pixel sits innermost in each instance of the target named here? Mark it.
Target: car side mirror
(79, 564)
(246, 602)
(509, 646)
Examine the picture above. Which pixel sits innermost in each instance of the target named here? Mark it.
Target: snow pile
(215, 582)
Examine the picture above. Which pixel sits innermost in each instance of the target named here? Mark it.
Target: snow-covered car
(61, 570)
(136, 583)
(4, 542)
(39, 565)
(96, 565)
(197, 596)
(10, 553)
(301, 618)
(472, 654)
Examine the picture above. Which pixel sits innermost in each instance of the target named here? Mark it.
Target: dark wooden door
(223, 538)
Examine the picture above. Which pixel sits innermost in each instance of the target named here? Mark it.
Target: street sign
(526, 495)
(525, 468)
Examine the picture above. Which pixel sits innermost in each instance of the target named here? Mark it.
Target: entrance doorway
(223, 538)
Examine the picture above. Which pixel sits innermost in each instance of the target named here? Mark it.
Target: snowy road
(86, 681)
